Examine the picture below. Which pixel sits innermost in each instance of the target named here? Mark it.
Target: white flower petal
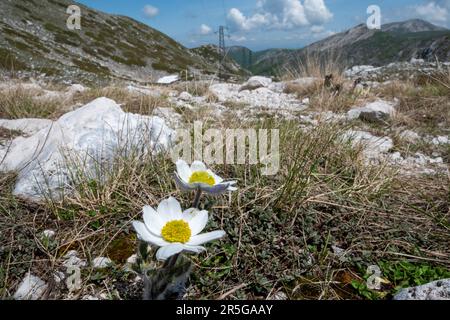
(198, 222)
(188, 214)
(175, 208)
(153, 221)
(217, 189)
(145, 235)
(167, 251)
(183, 170)
(195, 249)
(169, 209)
(231, 185)
(217, 178)
(198, 166)
(205, 237)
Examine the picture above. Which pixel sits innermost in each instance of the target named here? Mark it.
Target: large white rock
(374, 147)
(27, 126)
(256, 82)
(31, 288)
(168, 79)
(437, 290)
(377, 111)
(82, 138)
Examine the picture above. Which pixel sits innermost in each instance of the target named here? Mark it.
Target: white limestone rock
(185, 96)
(31, 288)
(410, 136)
(437, 290)
(76, 88)
(374, 147)
(170, 116)
(168, 79)
(101, 263)
(89, 135)
(378, 111)
(256, 82)
(441, 140)
(339, 252)
(416, 61)
(360, 70)
(27, 126)
(261, 97)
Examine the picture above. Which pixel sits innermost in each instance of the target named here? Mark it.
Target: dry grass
(315, 66)
(21, 103)
(195, 88)
(334, 95)
(425, 109)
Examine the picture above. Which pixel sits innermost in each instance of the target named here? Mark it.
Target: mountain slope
(400, 41)
(34, 39)
(211, 53)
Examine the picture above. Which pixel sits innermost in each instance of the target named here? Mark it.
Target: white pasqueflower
(198, 176)
(174, 231)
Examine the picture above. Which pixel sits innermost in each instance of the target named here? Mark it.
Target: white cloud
(434, 12)
(150, 11)
(238, 21)
(317, 12)
(317, 29)
(238, 38)
(281, 14)
(205, 29)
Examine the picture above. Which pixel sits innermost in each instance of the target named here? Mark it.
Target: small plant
(399, 275)
(405, 274)
(175, 231)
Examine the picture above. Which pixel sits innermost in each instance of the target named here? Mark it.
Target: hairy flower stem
(196, 203)
(168, 282)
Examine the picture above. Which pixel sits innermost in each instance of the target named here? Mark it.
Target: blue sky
(263, 24)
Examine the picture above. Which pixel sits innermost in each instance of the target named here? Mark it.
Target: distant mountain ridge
(398, 41)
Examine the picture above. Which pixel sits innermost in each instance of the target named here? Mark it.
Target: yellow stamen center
(176, 231)
(202, 177)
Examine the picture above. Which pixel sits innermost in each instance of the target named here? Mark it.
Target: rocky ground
(363, 181)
